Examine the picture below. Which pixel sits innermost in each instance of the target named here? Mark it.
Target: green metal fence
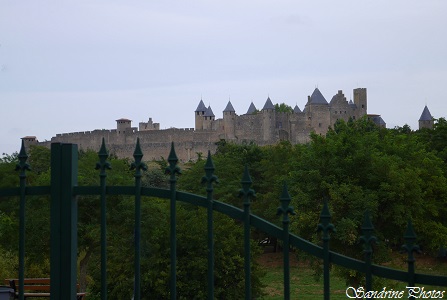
(64, 192)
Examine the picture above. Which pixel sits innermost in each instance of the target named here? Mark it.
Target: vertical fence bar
(173, 169)
(210, 178)
(326, 227)
(410, 247)
(22, 166)
(285, 210)
(64, 217)
(138, 165)
(246, 193)
(367, 238)
(102, 165)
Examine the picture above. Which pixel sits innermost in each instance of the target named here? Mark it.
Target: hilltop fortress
(264, 127)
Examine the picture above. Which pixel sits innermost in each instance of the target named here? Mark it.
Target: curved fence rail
(64, 189)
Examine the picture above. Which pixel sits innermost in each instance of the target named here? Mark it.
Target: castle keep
(264, 127)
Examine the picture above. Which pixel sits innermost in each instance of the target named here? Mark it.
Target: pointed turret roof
(209, 112)
(352, 104)
(317, 97)
(381, 122)
(426, 115)
(201, 106)
(229, 107)
(296, 109)
(251, 109)
(268, 104)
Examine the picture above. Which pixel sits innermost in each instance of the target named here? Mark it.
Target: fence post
(326, 226)
(209, 179)
(410, 247)
(246, 192)
(173, 170)
(285, 210)
(22, 166)
(103, 165)
(138, 166)
(64, 218)
(367, 238)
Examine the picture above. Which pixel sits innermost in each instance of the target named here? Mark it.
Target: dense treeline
(155, 260)
(397, 174)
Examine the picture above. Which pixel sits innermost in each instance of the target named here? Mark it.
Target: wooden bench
(36, 287)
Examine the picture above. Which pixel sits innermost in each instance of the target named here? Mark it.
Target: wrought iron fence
(64, 192)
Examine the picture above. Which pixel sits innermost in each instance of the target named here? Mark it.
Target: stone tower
(426, 119)
(318, 113)
(361, 101)
(199, 113)
(123, 126)
(29, 140)
(268, 120)
(229, 115)
(208, 119)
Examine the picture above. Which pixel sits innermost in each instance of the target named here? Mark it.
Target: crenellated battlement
(265, 126)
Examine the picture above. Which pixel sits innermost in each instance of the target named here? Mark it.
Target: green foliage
(396, 174)
(283, 108)
(435, 139)
(155, 261)
(191, 253)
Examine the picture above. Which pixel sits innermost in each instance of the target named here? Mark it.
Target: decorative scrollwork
(209, 177)
(173, 169)
(246, 191)
(285, 210)
(367, 237)
(22, 165)
(410, 238)
(325, 224)
(103, 164)
(138, 165)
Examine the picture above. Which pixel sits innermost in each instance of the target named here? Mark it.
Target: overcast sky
(68, 66)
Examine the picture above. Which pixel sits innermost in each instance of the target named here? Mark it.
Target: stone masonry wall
(262, 128)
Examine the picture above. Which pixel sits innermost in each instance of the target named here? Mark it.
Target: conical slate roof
(352, 104)
(426, 115)
(229, 107)
(381, 121)
(201, 106)
(296, 109)
(209, 112)
(317, 97)
(251, 109)
(268, 104)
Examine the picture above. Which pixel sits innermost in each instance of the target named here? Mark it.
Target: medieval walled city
(263, 126)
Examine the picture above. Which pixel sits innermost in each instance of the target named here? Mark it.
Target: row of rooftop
(316, 98)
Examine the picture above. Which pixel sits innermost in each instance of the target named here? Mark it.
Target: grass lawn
(303, 284)
(302, 281)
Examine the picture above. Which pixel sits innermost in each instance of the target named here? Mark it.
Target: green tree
(283, 108)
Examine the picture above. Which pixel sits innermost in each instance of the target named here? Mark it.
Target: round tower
(229, 116)
(208, 119)
(268, 120)
(199, 115)
(426, 119)
(318, 113)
